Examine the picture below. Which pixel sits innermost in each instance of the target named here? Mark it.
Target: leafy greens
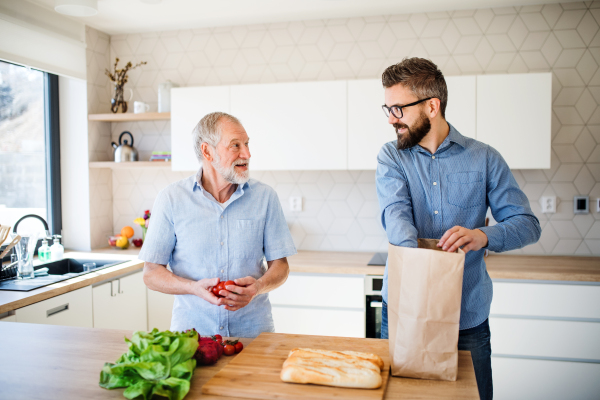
(157, 363)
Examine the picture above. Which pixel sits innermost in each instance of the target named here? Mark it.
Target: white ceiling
(128, 16)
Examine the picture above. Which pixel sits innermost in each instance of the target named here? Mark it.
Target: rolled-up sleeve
(277, 239)
(160, 238)
(517, 225)
(394, 200)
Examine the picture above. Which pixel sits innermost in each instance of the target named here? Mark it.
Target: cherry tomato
(221, 285)
(238, 347)
(229, 283)
(229, 350)
(218, 338)
(215, 291)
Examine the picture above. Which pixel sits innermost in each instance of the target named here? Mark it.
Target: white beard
(230, 174)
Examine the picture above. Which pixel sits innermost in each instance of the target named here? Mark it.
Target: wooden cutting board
(254, 373)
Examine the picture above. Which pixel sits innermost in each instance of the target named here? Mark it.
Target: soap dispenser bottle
(44, 251)
(56, 250)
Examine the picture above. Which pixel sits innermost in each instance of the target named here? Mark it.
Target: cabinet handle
(112, 289)
(56, 310)
(120, 291)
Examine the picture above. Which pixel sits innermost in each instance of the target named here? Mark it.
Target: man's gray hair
(209, 131)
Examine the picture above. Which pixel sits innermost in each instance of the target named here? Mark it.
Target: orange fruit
(127, 232)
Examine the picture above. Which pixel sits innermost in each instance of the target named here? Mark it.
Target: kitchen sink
(58, 271)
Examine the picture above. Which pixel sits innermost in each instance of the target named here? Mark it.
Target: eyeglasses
(397, 110)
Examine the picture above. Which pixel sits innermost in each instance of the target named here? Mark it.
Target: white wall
(74, 172)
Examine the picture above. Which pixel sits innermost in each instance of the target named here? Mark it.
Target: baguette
(332, 368)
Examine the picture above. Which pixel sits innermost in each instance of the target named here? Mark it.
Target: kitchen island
(58, 362)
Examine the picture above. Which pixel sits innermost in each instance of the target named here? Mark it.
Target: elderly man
(435, 183)
(218, 225)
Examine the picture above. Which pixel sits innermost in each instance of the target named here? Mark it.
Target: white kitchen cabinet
(320, 304)
(121, 303)
(160, 310)
(461, 110)
(294, 126)
(188, 106)
(70, 309)
(514, 112)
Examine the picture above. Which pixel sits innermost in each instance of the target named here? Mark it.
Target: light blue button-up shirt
(200, 238)
(422, 195)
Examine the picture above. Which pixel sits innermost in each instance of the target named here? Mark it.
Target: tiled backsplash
(340, 207)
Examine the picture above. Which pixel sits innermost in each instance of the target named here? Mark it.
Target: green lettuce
(156, 363)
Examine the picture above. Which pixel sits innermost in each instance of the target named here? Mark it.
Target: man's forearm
(275, 276)
(158, 278)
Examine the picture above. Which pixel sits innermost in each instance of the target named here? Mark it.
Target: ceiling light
(76, 8)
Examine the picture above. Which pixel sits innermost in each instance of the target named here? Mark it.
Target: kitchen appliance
(254, 373)
(124, 152)
(373, 305)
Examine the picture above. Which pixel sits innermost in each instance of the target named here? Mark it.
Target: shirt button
(221, 243)
(221, 271)
(433, 157)
(435, 212)
(434, 183)
(221, 328)
(221, 217)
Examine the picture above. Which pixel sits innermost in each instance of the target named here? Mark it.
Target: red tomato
(238, 347)
(215, 291)
(221, 285)
(229, 350)
(219, 338)
(230, 283)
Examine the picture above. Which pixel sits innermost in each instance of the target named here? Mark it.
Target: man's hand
(471, 239)
(202, 289)
(246, 288)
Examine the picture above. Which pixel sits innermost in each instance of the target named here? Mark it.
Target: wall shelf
(150, 116)
(135, 164)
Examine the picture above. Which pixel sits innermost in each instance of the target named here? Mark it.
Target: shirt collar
(453, 137)
(198, 183)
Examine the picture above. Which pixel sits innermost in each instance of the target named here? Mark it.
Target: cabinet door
(160, 310)
(294, 126)
(368, 128)
(121, 304)
(69, 309)
(513, 116)
(319, 321)
(188, 106)
(461, 110)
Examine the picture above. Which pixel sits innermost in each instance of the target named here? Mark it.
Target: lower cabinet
(121, 303)
(70, 309)
(160, 309)
(320, 304)
(545, 340)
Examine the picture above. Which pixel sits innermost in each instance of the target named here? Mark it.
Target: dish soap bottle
(56, 250)
(44, 251)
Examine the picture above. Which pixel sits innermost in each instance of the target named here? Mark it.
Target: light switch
(295, 203)
(598, 205)
(581, 205)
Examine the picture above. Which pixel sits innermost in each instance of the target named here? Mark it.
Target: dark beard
(414, 135)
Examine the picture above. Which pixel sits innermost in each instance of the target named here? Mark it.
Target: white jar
(164, 96)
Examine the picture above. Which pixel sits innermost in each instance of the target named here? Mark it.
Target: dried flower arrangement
(119, 77)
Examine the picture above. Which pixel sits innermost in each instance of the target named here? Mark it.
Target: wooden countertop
(11, 300)
(59, 362)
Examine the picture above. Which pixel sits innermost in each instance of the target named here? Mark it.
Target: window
(29, 158)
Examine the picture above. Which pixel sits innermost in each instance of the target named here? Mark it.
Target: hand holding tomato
(241, 293)
(204, 288)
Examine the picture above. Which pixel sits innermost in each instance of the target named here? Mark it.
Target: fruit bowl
(118, 242)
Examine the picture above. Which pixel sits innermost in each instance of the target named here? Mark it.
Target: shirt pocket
(248, 238)
(466, 189)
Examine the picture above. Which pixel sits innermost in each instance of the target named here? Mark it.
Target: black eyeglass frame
(387, 110)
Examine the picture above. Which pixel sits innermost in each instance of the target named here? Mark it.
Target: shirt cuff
(281, 253)
(495, 236)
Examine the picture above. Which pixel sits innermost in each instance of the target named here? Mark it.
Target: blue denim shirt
(422, 195)
(200, 239)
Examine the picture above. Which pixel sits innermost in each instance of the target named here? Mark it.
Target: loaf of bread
(333, 368)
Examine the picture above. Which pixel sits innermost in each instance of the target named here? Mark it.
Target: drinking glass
(87, 267)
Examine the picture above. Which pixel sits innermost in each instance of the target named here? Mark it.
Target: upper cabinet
(188, 106)
(294, 126)
(514, 113)
(340, 125)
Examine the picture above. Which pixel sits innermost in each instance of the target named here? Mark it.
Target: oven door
(373, 315)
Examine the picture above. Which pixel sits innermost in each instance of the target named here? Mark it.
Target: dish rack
(8, 273)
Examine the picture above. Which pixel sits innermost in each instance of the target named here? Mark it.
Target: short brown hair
(421, 76)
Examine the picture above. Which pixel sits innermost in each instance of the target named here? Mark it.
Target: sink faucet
(33, 216)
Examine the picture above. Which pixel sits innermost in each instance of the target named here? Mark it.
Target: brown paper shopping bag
(424, 295)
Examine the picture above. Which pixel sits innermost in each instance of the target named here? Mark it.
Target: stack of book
(160, 156)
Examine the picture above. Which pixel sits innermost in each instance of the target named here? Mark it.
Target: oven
(374, 302)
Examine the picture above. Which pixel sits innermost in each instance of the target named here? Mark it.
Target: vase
(144, 229)
(118, 102)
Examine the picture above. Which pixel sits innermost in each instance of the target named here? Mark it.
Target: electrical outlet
(295, 203)
(548, 204)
